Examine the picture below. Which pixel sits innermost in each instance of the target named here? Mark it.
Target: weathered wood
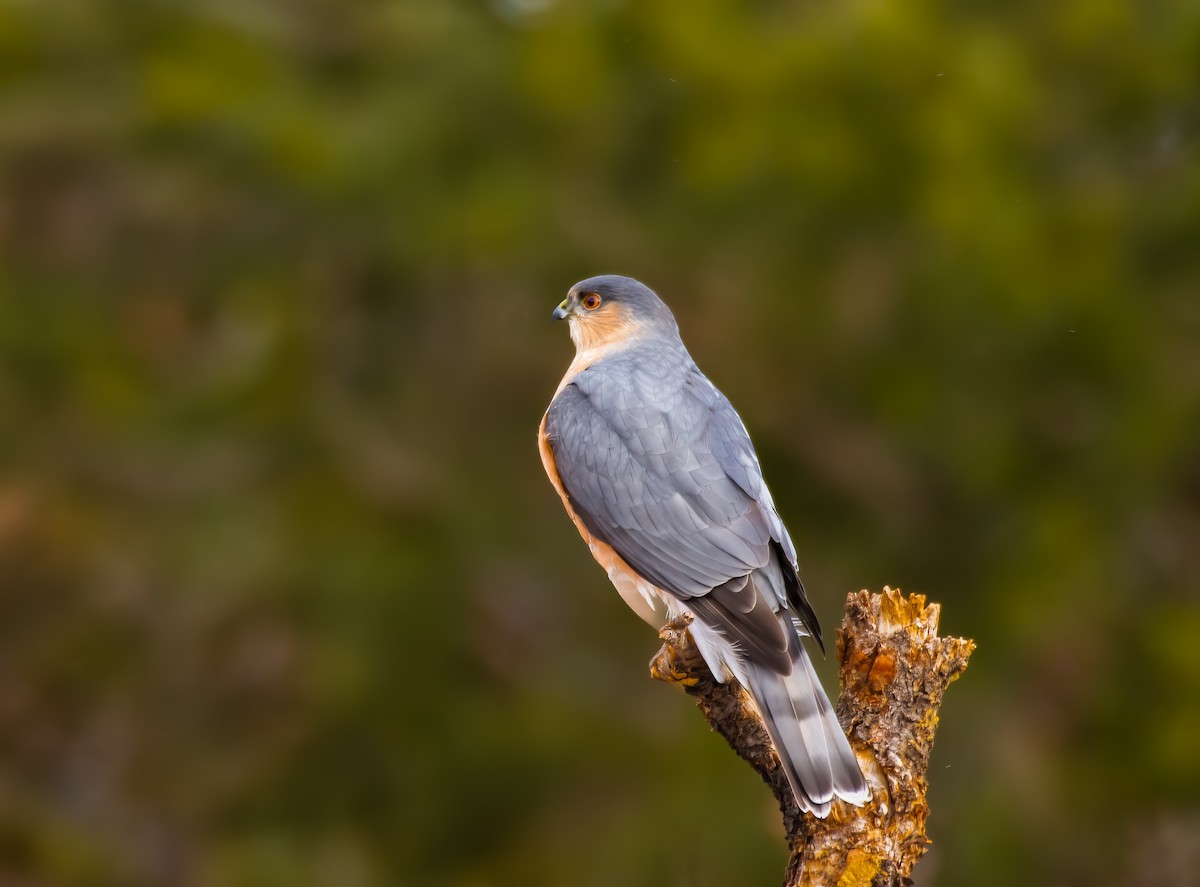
(894, 671)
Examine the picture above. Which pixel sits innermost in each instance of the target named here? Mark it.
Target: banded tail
(813, 750)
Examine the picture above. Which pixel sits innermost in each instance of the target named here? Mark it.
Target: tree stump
(894, 670)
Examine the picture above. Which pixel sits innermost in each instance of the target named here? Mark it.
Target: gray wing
(668, 477)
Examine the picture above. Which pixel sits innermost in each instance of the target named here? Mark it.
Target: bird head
(609, 309)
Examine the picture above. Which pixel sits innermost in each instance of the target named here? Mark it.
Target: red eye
(591, 301)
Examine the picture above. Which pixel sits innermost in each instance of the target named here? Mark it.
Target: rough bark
(894, 670)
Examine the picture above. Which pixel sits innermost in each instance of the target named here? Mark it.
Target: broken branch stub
(894, 672)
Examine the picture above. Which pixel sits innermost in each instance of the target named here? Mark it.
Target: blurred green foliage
(284, 596)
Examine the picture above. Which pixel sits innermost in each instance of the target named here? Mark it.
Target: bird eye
(591, 301)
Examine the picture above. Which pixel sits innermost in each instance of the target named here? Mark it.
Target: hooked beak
(561, 313)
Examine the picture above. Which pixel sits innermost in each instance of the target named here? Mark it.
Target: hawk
(657, 472)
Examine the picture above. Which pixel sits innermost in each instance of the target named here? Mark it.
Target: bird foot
(676, 661)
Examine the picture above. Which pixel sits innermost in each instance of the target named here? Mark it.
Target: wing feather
(669, 478)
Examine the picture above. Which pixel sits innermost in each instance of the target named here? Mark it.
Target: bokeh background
(285, 598)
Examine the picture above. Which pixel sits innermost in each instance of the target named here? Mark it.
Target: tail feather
(732, 628)
(813, 750)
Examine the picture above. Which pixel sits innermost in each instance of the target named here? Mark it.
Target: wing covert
(647, 482)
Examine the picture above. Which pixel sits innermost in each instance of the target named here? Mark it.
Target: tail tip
(855, 797)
